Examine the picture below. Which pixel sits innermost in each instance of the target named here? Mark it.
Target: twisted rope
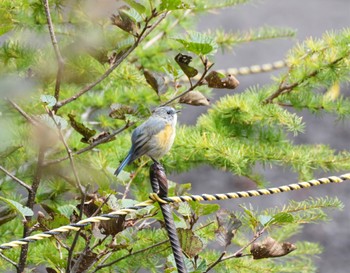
(254, 69)
(159, 183)
(175, 199)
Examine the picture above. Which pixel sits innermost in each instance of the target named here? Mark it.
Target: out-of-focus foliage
(64, 131)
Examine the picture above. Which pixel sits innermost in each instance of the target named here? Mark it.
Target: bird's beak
(177, 111)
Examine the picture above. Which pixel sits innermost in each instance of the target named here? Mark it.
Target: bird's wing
(143, 134)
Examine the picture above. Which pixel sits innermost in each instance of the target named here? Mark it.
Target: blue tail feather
(125, 162)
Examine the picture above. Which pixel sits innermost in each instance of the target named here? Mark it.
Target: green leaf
(23, 210)
(202, 267)
(133, 15)
(191, 244)
(204, 209)
(264, 219)
(173, 5)
(198, 43)
(179, 221)
(184, 209)
(282, 217)
(137, 6)
(48, 100)
(67, 210)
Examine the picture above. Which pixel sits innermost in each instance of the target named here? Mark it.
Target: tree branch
(144, 33)
(287, 88)
(9, 260)
(30, 204)
(19, 181)
(93, 145)
(60, 61)
(69, 152)
(207, 67)
(238, 253)
(77, 234)
(129, 255)
(22, 112)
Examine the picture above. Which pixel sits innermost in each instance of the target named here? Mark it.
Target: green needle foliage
(74, 84)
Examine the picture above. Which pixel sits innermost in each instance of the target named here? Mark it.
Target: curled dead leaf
(217, 80)
(228, 224)
(270, 248)
(194, 98)
(156, 81)
(183, 61)
(124, 22)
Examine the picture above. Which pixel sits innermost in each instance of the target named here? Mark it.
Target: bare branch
(22, 112)
(144, 33)
(19, 181)
(9, 260)
(60, 61)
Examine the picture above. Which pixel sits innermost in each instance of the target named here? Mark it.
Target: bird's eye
(168, 112)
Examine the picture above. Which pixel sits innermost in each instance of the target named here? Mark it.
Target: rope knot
(155, 197)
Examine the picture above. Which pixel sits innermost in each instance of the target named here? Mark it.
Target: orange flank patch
(164, 136)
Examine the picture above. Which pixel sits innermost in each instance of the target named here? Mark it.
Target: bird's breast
(166, 137)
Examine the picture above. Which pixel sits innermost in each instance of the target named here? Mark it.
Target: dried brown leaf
(215, 80)
(183, 61)
(270, 248)
(156, 81)
(124, 22)
(194, 98)
(228, 224)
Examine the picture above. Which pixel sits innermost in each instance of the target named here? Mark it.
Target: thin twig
(9, 260)
(69, 152)
(19, 181)
(287, 88)
(77, 234)
(238, 253)
(144, 33)
(161, 34)
(30, 204)
(93, 145)
(218, 260)
(129, 255)
(193, 86)
(127, 187)
(22, 112)
(60, 61)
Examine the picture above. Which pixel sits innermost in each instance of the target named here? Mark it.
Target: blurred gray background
(309, 18)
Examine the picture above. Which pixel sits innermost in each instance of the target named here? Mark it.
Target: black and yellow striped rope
(175, 199)
(254, 69)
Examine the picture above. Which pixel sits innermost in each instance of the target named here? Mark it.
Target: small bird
(154, 137)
